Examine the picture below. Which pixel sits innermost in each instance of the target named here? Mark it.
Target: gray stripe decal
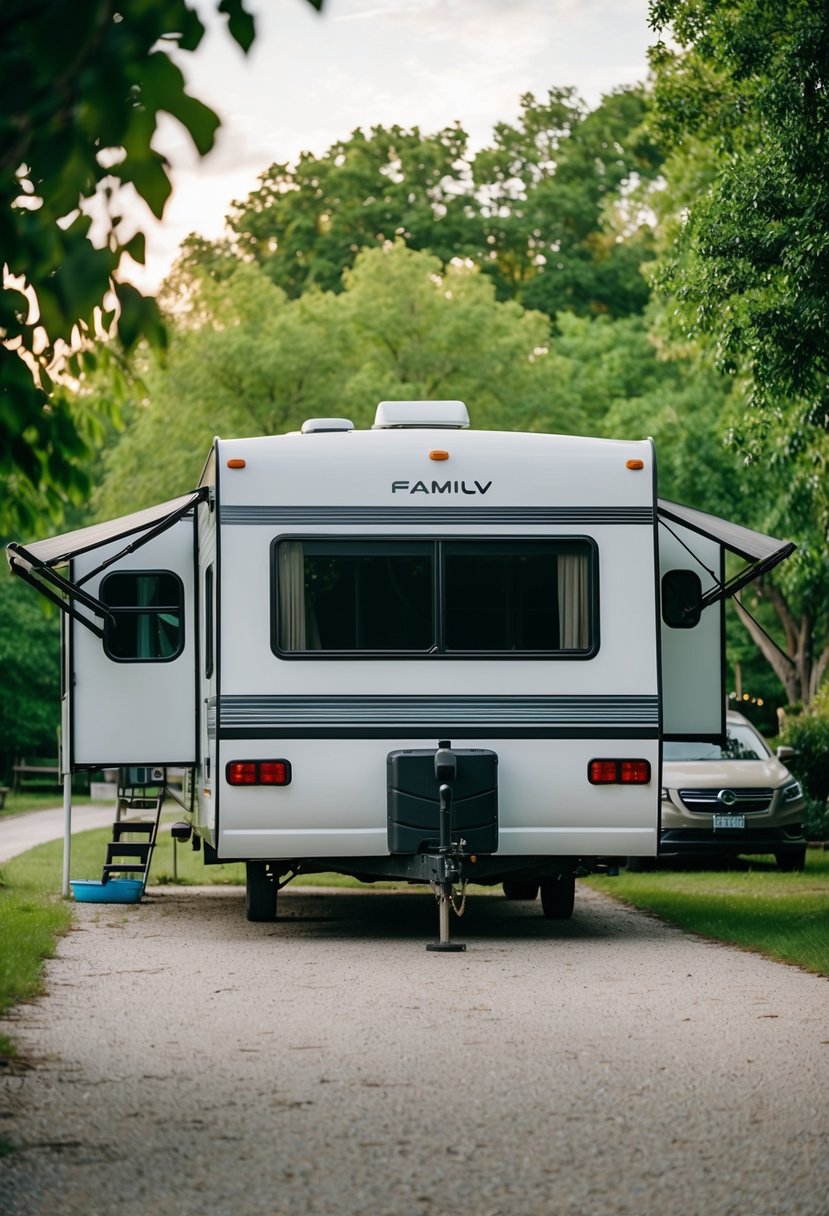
(351, 714)
(425, 516)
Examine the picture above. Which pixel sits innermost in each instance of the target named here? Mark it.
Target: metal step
(133, 856)
(141, 827)
(128, 848)
(126, 868)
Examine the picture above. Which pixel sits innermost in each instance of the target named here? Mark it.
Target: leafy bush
(808, 734)
(816, 820)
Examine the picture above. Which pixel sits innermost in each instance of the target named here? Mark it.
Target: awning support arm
(724, 591)
(69, 596)
(765, 632)
(65, 605)
(148, 535)
(748, 575)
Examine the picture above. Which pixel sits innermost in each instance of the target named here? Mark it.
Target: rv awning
(762, 552)
(38, 562)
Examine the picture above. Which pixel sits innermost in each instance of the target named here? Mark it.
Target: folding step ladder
(134, 834)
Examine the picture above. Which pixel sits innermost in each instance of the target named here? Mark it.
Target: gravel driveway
(186, 1062)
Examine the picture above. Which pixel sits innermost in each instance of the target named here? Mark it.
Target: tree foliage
(535, 211)
(808, 734)
(741, 100)
(81, 90)
(750, 266)
(30, 687)
(245, 359)
(750, 79)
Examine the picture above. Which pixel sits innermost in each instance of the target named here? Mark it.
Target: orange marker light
(236, 462)
(634, 464)
(438, 454)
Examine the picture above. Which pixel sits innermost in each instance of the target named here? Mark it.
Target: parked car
(719, 802)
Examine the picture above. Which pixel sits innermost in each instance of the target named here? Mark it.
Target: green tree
(30, 687)
(749, 78)
(81, 90)
(740, 98)
(547, 188)
(426, 331)
(695, 409)
(306, 223)
(245, 359)
(549, 212)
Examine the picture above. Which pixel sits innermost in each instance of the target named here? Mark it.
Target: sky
(311, 79)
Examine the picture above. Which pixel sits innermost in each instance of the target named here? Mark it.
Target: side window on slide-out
(681, 596)
(146, 624)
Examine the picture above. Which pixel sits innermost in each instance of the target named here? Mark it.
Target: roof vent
(449, 414)
(318, 426)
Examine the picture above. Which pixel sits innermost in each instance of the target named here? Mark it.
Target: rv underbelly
(337, 802)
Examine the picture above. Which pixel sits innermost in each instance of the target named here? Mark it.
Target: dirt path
(187, 1062)
(21, 832)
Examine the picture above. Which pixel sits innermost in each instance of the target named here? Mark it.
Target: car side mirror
(784, 753)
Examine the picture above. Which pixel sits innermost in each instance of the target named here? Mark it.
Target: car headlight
(664, 794)
(792, 792)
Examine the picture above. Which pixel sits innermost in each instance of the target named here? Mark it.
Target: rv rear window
(446, 597)
(147, 624)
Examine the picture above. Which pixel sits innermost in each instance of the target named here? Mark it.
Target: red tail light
(603, 772)
(258, 772)
(274, 772)
(619, 772)
(636, 772)
(241, 772)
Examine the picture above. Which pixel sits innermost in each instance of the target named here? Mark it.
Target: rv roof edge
(395, 414)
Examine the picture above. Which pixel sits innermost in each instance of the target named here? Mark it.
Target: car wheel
(260, 892)
(791, 859)
(640, 865)
(558, 893)
(520, 888)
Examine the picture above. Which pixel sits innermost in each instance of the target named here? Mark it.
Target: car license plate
(729, 821)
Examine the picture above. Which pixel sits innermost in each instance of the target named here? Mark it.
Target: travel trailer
(419, 652)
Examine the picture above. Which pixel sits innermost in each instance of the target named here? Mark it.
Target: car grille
(746, 802)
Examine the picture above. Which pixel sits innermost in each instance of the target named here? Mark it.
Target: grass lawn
(38, 800)
(32, 917)
(784, 916)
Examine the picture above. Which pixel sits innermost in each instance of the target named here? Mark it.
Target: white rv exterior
(332, 598)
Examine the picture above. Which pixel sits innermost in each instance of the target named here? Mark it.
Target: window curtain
(291, 574)
(573, 607)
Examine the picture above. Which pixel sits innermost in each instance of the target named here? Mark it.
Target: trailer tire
(520, 888)
(640, 865)
(791, 860)
(260, 892)
(558, 893)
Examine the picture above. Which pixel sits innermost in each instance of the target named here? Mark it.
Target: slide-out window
(147, 623)
(447, 597)
(681, 599)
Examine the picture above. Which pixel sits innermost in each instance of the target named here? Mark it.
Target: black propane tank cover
(413, 806)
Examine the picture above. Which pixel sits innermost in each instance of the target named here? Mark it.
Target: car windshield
(741, 744)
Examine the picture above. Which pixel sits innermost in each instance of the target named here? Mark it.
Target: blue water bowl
(116, 891)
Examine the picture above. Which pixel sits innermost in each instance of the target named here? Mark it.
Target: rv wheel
(640, 865)
(520, 888)
(260, 892)
(558, 893)
(791, 859)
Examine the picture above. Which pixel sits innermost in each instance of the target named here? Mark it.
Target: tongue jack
(450, 855)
